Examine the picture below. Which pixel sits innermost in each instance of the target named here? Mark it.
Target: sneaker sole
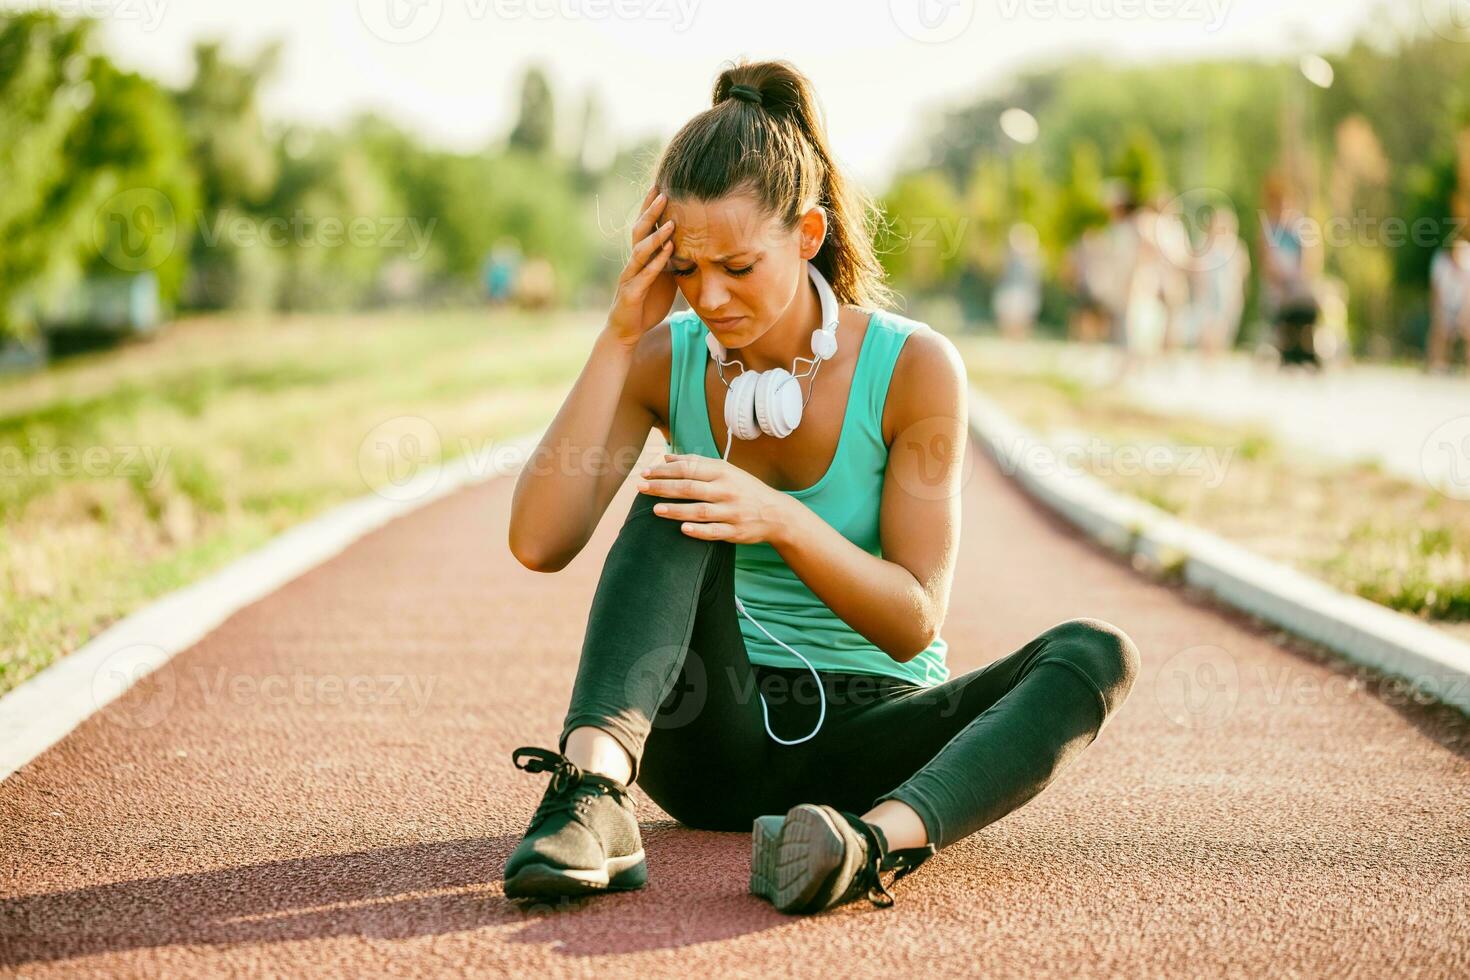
(765, 841)
(544, 881)
(811, 849)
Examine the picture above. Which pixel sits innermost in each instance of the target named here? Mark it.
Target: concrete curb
(1358, 630)
(43, 710)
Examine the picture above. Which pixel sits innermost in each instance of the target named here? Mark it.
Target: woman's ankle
(593, 750)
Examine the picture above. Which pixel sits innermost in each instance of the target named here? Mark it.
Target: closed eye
(734, 272)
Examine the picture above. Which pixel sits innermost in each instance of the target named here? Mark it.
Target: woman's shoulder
(922, 346)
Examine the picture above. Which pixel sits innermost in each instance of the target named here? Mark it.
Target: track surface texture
(323, 786)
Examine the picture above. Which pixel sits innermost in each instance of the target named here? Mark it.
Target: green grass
(222, 432)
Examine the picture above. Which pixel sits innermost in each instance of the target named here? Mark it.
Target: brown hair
(777, 151)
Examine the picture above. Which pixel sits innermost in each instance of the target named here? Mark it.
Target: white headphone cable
(821, 693)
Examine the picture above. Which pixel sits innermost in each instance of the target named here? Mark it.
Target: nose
(712, 295)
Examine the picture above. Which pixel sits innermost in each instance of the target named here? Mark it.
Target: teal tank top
(847, 497)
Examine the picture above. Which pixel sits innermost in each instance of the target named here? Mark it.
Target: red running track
(323, 786)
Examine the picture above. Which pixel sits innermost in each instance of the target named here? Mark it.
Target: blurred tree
(221, 108)
(535, 127)
(238, 165)
(98, 179)
(132, 134)
(1079, 198)
(45, 211)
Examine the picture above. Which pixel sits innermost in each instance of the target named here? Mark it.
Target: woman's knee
(1105, 654)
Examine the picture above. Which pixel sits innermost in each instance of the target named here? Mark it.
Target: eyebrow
(726, 257)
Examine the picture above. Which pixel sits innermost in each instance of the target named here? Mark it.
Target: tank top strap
(881, 347)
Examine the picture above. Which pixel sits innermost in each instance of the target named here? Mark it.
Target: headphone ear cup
(740, 406)
(778, 403)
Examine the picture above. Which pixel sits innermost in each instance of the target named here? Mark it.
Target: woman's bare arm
(584, 456)
(589, 448)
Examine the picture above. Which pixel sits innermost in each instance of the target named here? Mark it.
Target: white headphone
(770, 402)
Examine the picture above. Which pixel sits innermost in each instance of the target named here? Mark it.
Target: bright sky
(449, 68)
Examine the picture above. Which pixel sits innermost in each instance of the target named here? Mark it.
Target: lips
(727, 322)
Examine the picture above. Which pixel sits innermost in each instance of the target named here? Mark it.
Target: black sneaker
(824, 858)
(583, 837)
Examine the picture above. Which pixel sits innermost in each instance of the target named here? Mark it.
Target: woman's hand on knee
(718, 500)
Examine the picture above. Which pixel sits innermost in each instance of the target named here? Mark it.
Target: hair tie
(746, 93)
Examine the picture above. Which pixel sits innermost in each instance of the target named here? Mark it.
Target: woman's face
(737, 267)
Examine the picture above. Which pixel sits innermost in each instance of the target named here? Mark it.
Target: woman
(812, 542)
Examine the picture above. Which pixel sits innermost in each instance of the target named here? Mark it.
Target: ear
(813, 230)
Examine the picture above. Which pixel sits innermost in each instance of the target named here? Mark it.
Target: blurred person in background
(1218, 281)
(1144, 281)
(1288, 275)
(1083, 271)
(501, 268)
(535, 286)
(1113, 262)
(1171, 254)
(1449, 302)
(1018, 295)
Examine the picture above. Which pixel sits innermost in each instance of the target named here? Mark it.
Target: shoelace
(902, 861)
(566, 779)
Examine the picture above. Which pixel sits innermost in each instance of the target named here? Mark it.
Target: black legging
(664, 671)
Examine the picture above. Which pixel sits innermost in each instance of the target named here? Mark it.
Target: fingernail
(642, 484)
